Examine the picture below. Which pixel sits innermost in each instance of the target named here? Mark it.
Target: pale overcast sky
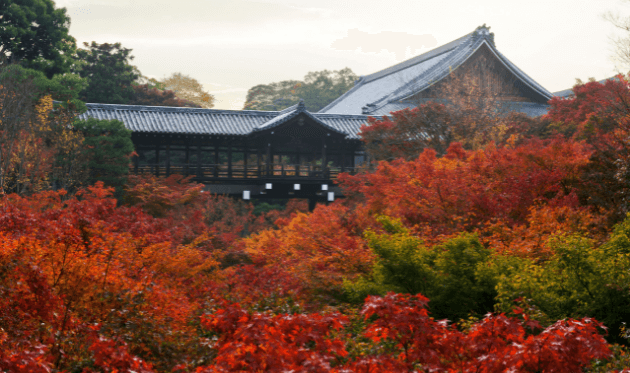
(230, 46)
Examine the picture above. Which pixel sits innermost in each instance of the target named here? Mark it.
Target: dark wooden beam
(324, 163)
(259, 160)
(229, 155)
(168, 160)
(157, 160)
(186, 168)
(199, 172)
(269, 159)
(245, 161)
(216, 158)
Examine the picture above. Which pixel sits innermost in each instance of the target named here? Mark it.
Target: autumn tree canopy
(188, 89)
(144, 94)
(478, 243)
(38, 147)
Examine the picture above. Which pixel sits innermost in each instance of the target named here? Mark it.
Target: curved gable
(390, 86)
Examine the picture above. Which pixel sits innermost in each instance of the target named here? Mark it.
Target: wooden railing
(222, 171)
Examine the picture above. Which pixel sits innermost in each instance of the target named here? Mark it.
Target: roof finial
(483, 31)
(301, 106)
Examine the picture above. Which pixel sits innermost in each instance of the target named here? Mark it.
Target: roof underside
(192, 121)
(380, 91)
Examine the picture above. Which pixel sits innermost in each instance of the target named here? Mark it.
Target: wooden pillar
(216, 158)
(269, 167)
(157, 160)
(313, 163)
(187, 169)
(136, 160)
(259, 160)
(324, 162)
(199, 171)
(343, 157)
(229, 158)
(245, 161)
(168, 160)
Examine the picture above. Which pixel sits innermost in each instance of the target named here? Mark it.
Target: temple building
(421, 78)
(255, 154)
(297, 154)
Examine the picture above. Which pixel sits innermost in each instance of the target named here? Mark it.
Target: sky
(230, 46)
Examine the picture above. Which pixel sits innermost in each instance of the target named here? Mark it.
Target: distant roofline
(177, 109)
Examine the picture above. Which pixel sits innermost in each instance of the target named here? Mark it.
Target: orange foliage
(320, 248)
(469, 190)
(89, 261)
(89, 286)
(530, 239)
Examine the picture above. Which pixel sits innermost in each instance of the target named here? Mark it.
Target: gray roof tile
(161, 119)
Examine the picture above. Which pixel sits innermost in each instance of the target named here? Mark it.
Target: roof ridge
(177, 109)
(288, 115)
(337, 115)
(288, 109)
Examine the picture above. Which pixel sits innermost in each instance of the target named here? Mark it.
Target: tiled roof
(569, 92)
(290, 113)
(175, 120)
(373, 87)
(564, 93)
(380, 90)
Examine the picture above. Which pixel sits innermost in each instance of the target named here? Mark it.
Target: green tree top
(110, 76)
(318, 89)
(35, 34)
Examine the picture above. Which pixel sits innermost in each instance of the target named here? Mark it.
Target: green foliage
(318, 89)
(64, 88)
(110, 76)
(263, 207)
(108, 147)
(458, 277)
(619, 361)
(579, 280)
(35, 34)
